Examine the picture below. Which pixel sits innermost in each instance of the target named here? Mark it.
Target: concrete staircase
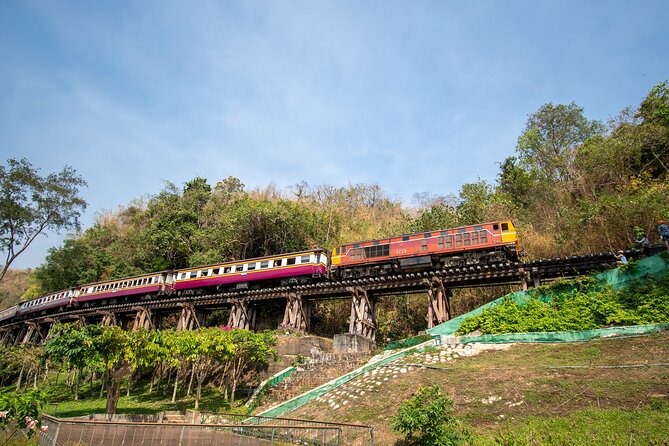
(314, 372)
(174, 416)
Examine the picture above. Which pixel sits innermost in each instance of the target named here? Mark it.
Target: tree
(31, 204)
(551, 137)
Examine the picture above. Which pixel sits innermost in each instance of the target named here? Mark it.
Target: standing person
(663, 229)
(645, 244)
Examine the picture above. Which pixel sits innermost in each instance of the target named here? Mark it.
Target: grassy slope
(530, 400)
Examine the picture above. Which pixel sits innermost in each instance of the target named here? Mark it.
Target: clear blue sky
(417, 96)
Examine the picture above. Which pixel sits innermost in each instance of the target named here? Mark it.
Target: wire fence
(99, 433)
(351, 434)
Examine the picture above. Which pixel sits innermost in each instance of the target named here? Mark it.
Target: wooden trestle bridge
(145, 312)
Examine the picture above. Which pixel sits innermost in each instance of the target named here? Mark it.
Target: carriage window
(405, 238)
(264, 264)
(462, 230)
(423, 246)
(440, 241)
(458, 240)
(505, 227)
(304, 259)
(291, 261)
(215, 271)
(475, 238)
(484, 236)
(239, 268)
(478, 227)
(193, 274)
(338, 251)
(251, 266)
(427, 235)
(495, 227)
(449, 241)
(227, 269)
(468, 239)
(204, 273)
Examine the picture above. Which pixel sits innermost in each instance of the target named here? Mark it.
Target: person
(620, 258)
(663, 229)
(645, 244)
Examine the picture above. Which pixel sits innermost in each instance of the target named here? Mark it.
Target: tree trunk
(115, 377)
(198, 392)
(127, 393)
(190, 383)
(18, 383)
(77, 375)
(176, 383)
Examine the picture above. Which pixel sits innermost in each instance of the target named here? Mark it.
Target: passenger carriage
(128, 286)
(58, 299)
(296, 267)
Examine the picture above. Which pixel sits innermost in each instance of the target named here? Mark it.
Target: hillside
(607, 391)
(12, 286)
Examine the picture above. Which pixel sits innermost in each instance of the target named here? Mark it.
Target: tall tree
(551, 137)
(31, 204)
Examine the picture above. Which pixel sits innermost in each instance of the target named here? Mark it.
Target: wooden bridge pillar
(109, 319)
(32, 334)
(190, 318)
(242, 316)
(438, 303)
(297, 315)
(529, 278)
(363, 314)
(5, 337)
(144, 319)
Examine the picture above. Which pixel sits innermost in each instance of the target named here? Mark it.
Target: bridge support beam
(242, 316)
(6, 337)
(144, 319)
(530, 278)
(297, 315)
(109, 319)
(438, 303)
(190, 318)
(363, 314)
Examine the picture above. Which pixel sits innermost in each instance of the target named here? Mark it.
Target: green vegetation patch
(580, 305)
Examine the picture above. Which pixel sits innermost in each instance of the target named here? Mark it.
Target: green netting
(650, 267)
(408, 342)
(566, 336)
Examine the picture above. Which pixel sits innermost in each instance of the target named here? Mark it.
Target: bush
(579, 307)
(429, 414)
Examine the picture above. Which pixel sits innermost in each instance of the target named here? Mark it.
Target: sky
(417, 96)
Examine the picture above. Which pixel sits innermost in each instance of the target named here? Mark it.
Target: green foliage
(581, 306)
(31, 204)
(21, 411)
(428, 415)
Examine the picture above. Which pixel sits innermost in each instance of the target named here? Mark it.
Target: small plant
(299, 360)
(429, 416)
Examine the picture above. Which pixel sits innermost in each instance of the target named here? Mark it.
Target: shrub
(429, 415)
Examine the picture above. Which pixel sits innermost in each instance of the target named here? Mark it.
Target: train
(479, 244)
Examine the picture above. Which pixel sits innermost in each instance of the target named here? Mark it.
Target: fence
(97, 433)
(351, 434)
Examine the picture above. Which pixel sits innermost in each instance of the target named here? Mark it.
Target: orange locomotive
(467, 245)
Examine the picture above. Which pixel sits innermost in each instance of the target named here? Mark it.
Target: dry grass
(526, 382)
(12, 287)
